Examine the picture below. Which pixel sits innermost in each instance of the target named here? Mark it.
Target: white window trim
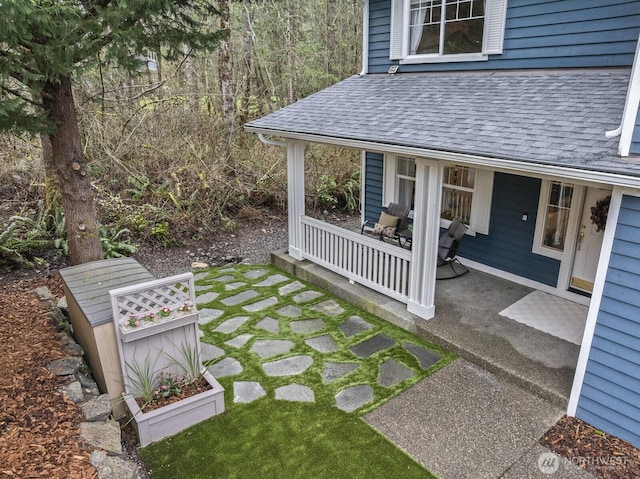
(492, 40)
(572, 222)
(480, 206)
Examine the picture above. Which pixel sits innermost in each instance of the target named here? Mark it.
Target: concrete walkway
(483, 415)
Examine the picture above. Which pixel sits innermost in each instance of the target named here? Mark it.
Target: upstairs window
(445, 27)
(424, 31)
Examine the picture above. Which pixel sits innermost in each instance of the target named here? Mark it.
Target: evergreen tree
(46, 45)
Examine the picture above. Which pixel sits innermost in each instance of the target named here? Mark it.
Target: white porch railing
(380, 266)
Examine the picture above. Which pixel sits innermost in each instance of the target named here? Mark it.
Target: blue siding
(538, 34)
(610, 396)
(635, 140)
(508, 245)
(373, 185)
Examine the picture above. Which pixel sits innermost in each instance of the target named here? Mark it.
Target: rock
(65, 366)
(97, 409)
(113, 467)
(73, 391)
(198, 265)
(43, 292)
(89, 385)
(62, 304)
(103, 435)
(74, 349)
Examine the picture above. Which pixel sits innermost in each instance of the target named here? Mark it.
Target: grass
(284, 440)
(270, 438)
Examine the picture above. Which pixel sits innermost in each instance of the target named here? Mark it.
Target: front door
(588, 244)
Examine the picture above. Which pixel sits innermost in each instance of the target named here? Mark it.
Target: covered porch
(467, 321)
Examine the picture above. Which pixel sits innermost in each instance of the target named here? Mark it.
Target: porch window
(457, 193)
(466, 191)
(425, 31)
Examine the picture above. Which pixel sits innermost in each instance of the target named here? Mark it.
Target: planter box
(174, 418)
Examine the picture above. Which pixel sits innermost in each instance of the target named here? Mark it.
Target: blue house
(519, 117)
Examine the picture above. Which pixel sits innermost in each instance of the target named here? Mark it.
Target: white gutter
(267, 141)
(538, 169)
(628, 122)
(365, 38)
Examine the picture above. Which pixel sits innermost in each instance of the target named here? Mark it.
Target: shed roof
(554, 117)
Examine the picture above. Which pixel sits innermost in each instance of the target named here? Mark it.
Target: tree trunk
(69, 164)
(225, 70)
(247, 48)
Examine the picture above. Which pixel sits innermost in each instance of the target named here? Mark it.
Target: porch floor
(467, 321)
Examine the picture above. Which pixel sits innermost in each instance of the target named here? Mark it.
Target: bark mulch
(601, 454)
(39, 434)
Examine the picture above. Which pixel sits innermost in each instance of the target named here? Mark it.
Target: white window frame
(492, 41)
(572, 222)
(480, 204)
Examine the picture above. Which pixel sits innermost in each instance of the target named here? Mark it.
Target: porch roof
(546, 117)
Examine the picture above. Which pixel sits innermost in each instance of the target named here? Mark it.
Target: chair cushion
(387, 219)
(386, 224)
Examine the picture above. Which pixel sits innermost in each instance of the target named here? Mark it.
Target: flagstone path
(261, 320)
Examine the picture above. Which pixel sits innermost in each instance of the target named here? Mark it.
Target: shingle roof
(540, 116)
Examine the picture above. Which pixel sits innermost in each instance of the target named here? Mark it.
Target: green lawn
(275, 438)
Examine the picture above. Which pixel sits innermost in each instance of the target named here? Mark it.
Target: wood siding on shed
(610, 395)
(538, 34)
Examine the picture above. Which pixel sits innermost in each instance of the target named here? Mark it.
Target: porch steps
(467, 322)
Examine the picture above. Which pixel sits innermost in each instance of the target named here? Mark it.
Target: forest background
(165, 148)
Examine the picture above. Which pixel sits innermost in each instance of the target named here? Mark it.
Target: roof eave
(520, 166)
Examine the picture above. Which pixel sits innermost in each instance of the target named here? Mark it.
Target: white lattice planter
(157, 324)
(174, 418)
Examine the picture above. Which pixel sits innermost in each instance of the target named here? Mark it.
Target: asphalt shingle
(549, 117)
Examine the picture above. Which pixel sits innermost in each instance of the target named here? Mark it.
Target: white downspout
(267, 141)
(365, 38)
(628, 122)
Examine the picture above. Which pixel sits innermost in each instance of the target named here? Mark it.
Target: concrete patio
(467, 321)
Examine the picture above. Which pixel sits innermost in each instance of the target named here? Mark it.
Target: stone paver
(234, 285)
(290, 311)
(288, 366)
(370, 346)
(199, 276)
(239, 298)
(295, 392)
(206, 297)
(354, 325)
(269, 324)
(290, 288)
(272, 280)
(306, 296)
(231, 324)
(202, 287)
(354, 397)
(206, 315)
(267, 348)
(239, 340)
(392, 372)
(260, 305)
(333, 371)
(225, 367)
(255, 273)
(322, 344)
(223, 279)
(426, 357)
(247, 391)
(307, 325)
(209, 352)
(329, 307)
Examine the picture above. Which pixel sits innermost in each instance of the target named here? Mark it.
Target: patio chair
(391, 224)
(448, 265)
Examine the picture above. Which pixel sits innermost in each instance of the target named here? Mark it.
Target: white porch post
(426, 229)
(295, 200)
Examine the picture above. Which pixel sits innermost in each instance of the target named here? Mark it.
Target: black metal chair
(447, 250)
(391, 222)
